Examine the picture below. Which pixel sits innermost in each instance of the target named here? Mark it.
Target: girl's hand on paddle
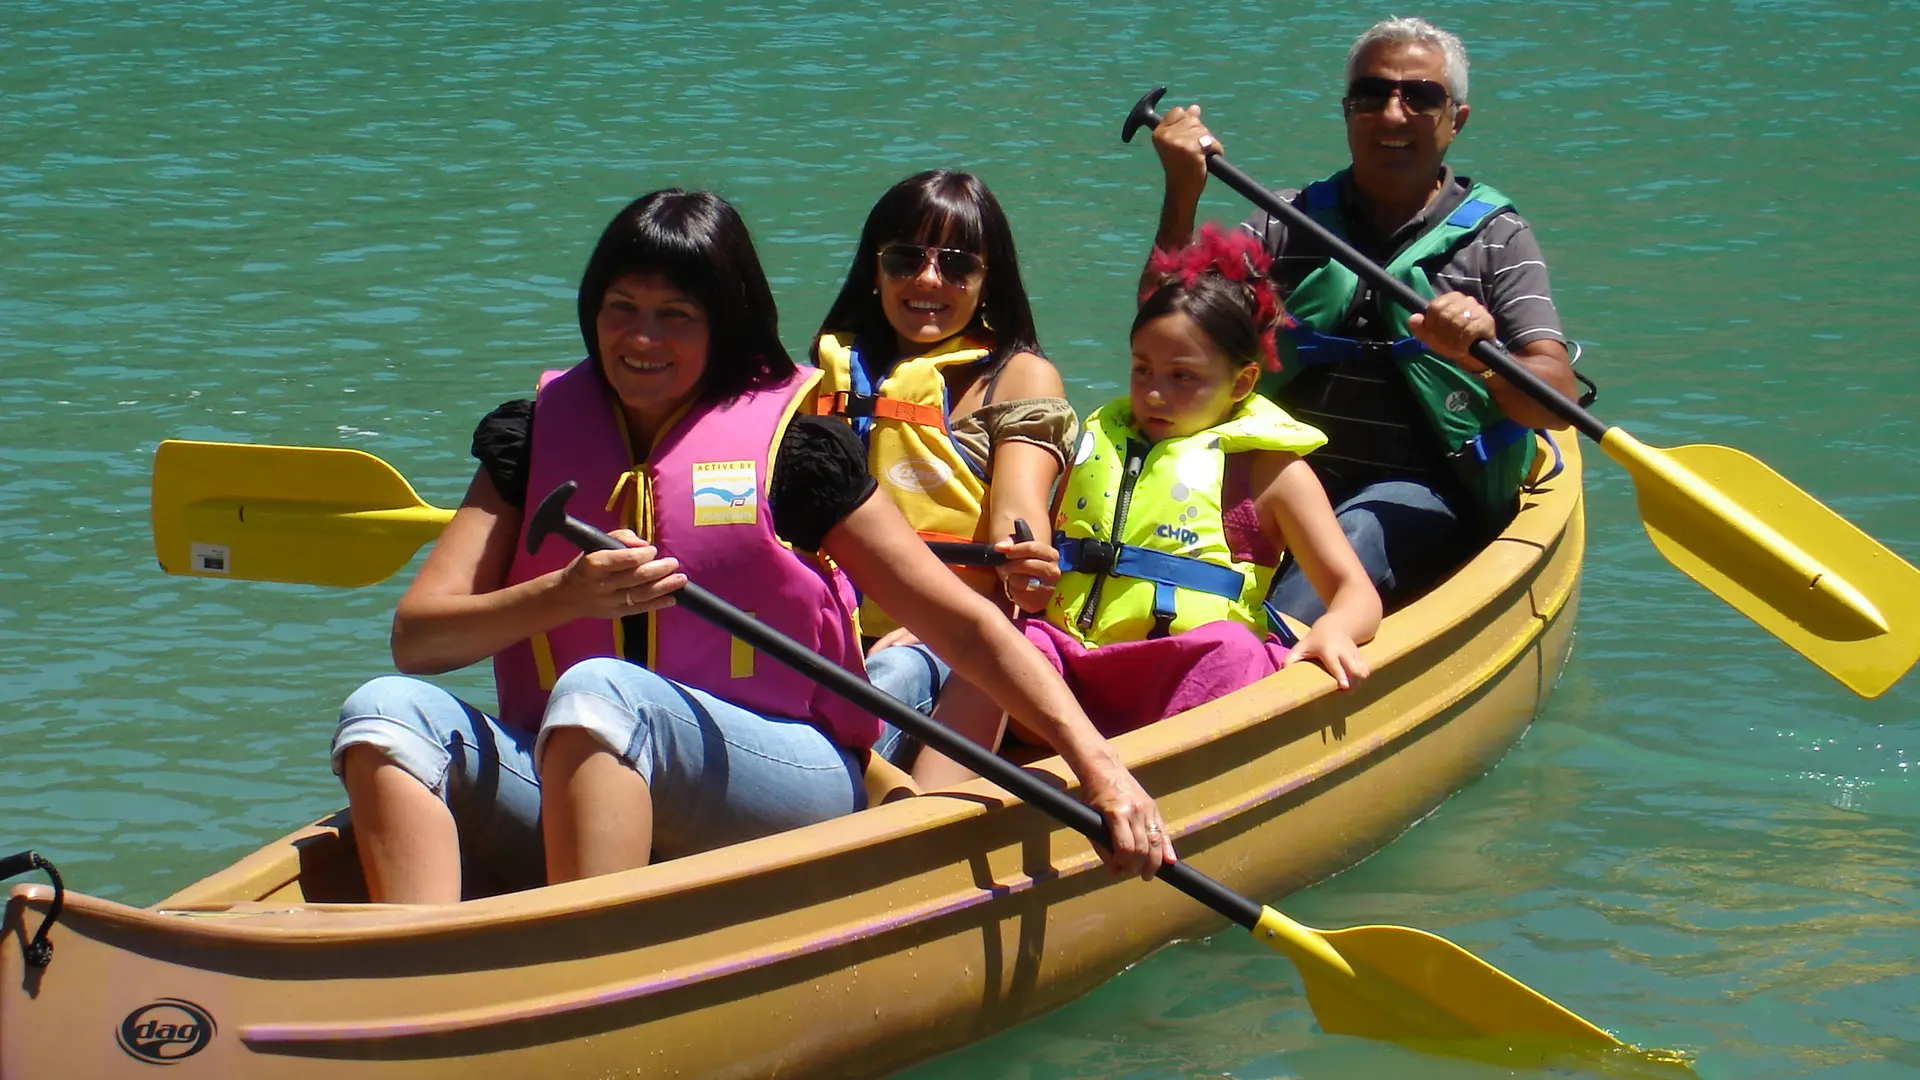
(610, 584)
(1335, 651)
(1183, 143)
(1030, 573)
(1453, 322)
(1140, 843)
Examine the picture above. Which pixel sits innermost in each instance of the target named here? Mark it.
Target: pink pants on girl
(1131, 684)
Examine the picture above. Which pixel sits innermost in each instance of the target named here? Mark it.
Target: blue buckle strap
(1084, 556)
(1559, 464)
(1177, 572)
(1167, 572)
(1277, 624)
(862, 388)
(1471, 213)
(1485, 446)
(1313, 347)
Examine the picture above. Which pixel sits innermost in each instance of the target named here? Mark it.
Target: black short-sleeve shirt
(819, 476)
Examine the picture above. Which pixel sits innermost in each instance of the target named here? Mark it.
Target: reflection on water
(359, 224)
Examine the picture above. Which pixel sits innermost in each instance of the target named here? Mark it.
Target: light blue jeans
(1406, 536)
(914, 675)
(718, 773)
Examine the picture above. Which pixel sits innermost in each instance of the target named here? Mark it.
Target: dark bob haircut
(695, 240)
(946, 209)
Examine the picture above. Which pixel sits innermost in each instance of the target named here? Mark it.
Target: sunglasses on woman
(1370, 93)
(907, 260)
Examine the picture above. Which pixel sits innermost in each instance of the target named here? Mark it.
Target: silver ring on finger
(1206, 142)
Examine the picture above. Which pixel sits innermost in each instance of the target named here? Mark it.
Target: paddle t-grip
(552, 517)
(1022, 532)
(1143, 113)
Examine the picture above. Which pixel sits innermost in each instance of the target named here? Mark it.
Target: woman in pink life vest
(629, 730)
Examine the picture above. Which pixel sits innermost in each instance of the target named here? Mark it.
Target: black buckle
(1096, 557)
(848, 403)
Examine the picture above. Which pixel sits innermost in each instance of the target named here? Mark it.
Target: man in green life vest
(1426, 448)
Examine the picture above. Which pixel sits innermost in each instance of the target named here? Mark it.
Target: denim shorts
(718, 773)
(912, 674)
(482, 770)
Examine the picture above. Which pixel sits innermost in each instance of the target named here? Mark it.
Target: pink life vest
(701, 497)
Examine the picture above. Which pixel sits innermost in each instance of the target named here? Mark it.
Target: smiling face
(928, 307)
(653, 348)
(1181, 382)
(1393, 146)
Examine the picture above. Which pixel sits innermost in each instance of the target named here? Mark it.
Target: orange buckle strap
(909, 412)
(849, 404)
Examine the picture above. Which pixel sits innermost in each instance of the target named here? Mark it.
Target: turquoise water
(358, 224)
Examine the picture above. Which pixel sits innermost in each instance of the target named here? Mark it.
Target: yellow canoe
(851, 948)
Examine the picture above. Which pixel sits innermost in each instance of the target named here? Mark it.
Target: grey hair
(1398, 31)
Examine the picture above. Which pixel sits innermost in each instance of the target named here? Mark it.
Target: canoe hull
(852, 948)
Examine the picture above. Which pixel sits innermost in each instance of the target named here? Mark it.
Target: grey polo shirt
(1374, 429)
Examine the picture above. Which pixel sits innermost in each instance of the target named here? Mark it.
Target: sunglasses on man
(907, 260)
(1370, 94)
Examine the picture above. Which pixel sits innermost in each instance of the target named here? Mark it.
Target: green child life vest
(1490, 453)
(1141, 530)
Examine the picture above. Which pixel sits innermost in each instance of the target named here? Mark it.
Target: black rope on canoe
(39, 951)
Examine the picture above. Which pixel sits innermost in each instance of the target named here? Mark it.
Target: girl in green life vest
(1182, 497)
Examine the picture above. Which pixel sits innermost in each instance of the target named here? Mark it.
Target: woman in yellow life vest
(1182, 498)
(930, 353)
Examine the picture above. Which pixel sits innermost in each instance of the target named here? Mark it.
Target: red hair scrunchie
(1235, 256)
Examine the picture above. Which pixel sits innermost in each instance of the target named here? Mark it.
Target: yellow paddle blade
(1781, 558)
(285, 513)
(1414, 988)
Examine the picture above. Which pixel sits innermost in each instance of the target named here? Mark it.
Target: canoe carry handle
(39, 951)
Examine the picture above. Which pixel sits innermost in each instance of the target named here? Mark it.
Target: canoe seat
(886, 782)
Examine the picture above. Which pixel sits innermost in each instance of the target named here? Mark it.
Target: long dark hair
(950, 209)
(697, 241)
(1220, 282)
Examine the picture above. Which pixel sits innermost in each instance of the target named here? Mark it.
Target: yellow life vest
(1141, 529)
(902, 418)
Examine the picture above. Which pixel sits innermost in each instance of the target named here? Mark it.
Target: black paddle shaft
(552, 517)
(1487, 352)
(959, 553)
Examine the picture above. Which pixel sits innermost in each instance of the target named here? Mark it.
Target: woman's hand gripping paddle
(1382, 982)
(1780, 557)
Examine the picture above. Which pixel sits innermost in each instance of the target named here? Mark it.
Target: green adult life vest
(1490, 453)
(1141, 530)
